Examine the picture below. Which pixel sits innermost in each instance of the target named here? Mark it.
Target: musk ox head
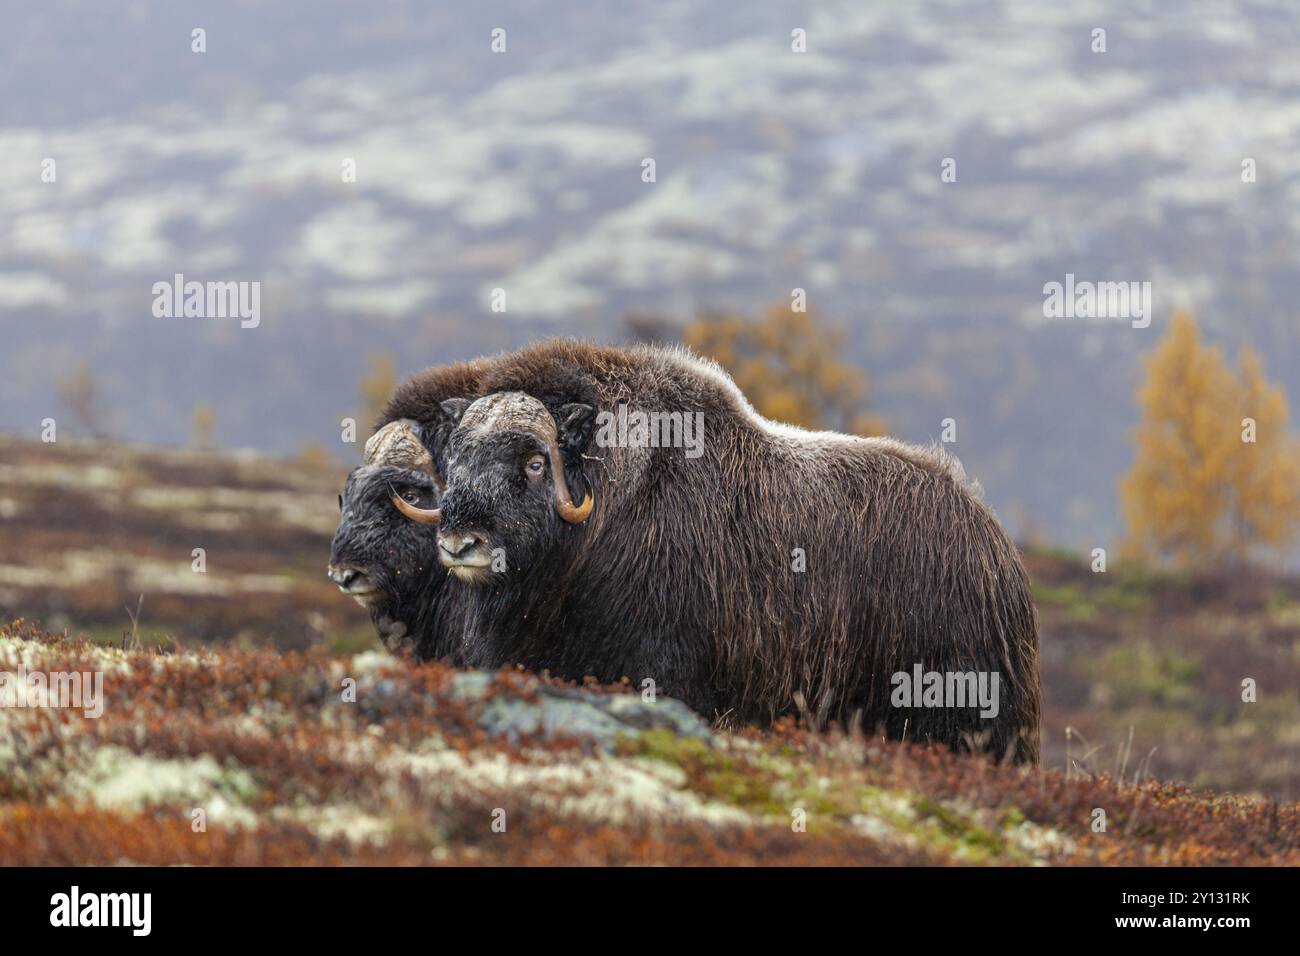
(509, 465)
(378, 556)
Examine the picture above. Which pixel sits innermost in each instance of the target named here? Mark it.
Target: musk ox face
(499, 502)
(378, 556)
(507, 501)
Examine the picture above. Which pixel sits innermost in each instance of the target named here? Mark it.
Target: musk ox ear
(454, 408)
(575, 422)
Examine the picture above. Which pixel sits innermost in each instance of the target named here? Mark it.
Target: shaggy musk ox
(382, 559)
(779, 570)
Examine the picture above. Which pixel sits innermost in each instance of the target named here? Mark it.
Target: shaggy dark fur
(683, 573)
(390, 565)
(398, 577)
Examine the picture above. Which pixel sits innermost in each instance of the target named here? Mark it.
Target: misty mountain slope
(522, 171)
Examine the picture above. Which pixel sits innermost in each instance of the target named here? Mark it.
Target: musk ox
(775, 570)
(379, 559)
(382, 559)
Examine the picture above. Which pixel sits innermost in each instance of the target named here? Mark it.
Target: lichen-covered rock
(556, 712)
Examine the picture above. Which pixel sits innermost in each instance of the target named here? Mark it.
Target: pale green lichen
(118, 779)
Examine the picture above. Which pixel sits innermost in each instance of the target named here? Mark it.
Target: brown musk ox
(771, 571)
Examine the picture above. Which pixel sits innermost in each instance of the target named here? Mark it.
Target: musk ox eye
(411, 496)
(535, 465)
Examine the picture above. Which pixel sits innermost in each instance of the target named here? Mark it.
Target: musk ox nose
(344, 577)
(458, 545)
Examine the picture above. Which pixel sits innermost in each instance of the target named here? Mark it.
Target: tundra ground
(230, 756)
(1142, 671)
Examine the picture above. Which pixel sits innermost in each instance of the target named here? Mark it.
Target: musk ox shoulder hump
(934, 458)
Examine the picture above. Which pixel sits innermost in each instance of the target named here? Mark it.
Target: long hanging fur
(684, 572)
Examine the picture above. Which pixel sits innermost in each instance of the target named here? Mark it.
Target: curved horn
(574, 514)
(422, 515)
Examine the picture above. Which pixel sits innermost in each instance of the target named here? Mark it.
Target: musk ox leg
(924, 705)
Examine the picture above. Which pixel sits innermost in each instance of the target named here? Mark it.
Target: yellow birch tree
(1207, 485)
(789, 367)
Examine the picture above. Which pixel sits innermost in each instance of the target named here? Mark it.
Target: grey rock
(573, 713)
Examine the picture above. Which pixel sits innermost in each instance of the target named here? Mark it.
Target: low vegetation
(252, 756)
(230, 703)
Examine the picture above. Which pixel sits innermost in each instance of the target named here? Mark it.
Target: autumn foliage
(789, 365)
(375, 388)
(1217, 473)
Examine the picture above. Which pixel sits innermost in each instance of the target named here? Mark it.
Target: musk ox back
(776, 569)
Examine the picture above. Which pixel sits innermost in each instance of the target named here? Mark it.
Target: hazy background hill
(522, 171)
